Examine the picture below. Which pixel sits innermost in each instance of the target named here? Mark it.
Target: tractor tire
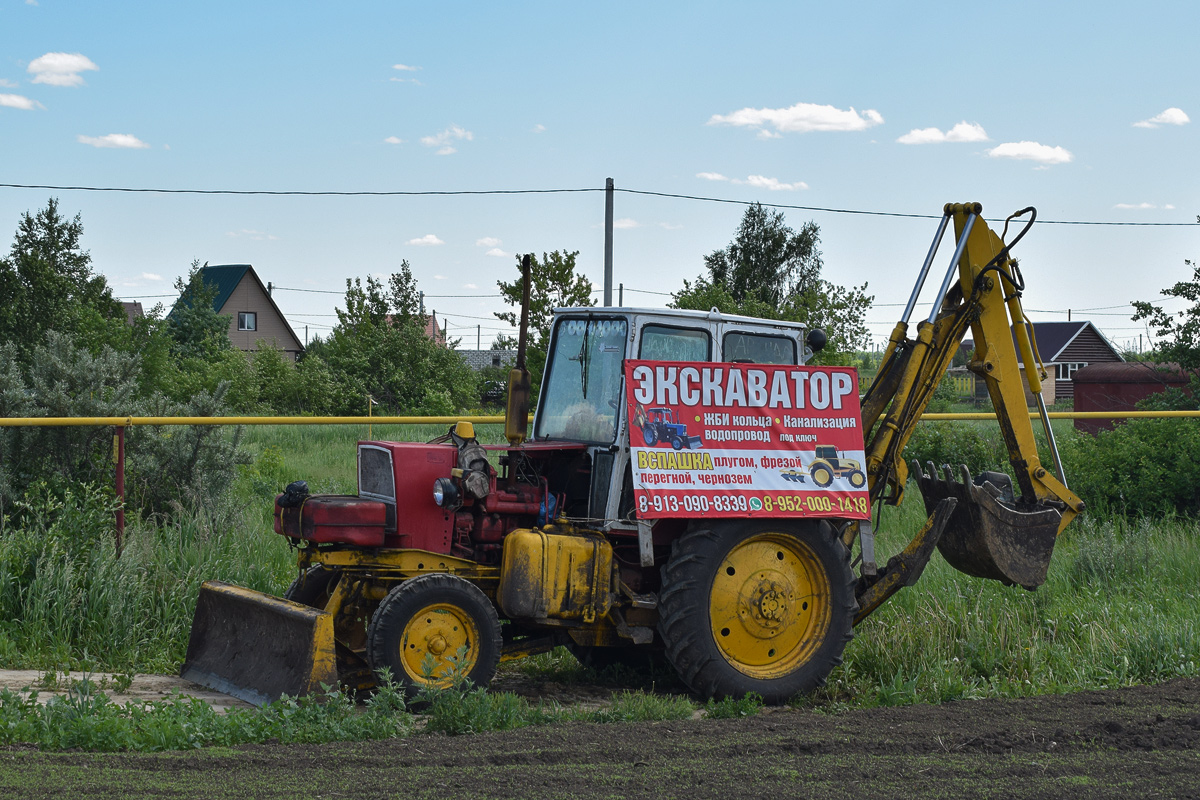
(858, 479)
(822, 475)
(313, 587)
(758, 606)
(677, 442)
(435, 616)
(650, 435)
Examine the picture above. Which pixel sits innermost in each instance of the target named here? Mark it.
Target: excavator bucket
(257, 647)
(989, 534)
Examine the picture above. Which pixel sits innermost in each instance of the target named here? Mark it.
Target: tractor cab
(582, 399)
(828, 453)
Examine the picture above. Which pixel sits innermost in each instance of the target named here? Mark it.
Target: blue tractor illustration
(661, 425)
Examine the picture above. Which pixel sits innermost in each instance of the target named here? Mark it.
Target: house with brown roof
(254, 317)
(1066, 348)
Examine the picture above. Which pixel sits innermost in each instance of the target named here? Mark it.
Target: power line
(481, 192)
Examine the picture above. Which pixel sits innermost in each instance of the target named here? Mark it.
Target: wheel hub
(432, 638)
(769, 605)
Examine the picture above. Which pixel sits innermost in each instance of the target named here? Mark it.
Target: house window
(247, 321)
(1065, 372)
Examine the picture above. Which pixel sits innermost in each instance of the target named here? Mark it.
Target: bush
(1147, 467)
(977, 445)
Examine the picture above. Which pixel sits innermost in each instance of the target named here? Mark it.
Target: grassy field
(1121, 605)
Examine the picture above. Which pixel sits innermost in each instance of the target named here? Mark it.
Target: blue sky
(1085, 113)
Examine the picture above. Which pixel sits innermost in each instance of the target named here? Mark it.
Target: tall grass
(1121, 606)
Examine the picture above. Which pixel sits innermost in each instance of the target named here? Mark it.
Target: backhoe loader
(454, 556)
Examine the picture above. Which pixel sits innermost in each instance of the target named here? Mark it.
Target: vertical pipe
(120, 485)
(478, 337)
(952, 272)
(933, 248)
(608, 240)
(621, 294)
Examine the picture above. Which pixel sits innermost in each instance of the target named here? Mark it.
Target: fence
(121, 423)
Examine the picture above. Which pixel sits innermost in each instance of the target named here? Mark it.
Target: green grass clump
(86, 719)
(734, 707)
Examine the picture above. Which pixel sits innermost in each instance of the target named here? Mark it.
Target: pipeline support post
(119, 457)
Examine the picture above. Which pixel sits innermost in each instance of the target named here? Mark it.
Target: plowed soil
(1139, 742)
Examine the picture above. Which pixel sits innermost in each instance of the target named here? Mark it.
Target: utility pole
(608, 240)
(478, 337)
(621, 294)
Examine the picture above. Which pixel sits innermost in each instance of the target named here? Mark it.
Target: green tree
(1178, 332)
(47, 283)
(553, 283)
(197, 330)
(379, 348)
(772, 271)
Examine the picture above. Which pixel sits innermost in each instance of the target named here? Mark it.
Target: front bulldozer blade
(257, 647)
(990, 535)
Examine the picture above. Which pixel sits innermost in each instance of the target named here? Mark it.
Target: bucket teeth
(989, 536)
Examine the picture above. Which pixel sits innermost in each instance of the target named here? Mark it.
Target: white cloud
(668, 226)
(405, 68)
(18, 101)
(773, 184)
(800, 118)
(711, 176)
(1031, 151)
(120, 140)
(470, 286)
(1172, 116)
(1143, 206)
(625, 223)
(60, 69)
(150, 276)
(394, 140)
(497, 253)
(539, 128)
(406, 80)
(442, 140)
(439, 277)
(7, 83)
(428, 240)
(258, 236)
(766, 134)
(487, 241)
(962, 132)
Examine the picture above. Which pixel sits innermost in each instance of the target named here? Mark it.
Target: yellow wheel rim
(438, 632)
(769, 607)
(822, 476)
(857, 480)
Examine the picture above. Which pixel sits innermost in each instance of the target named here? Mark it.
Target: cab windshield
(581, 394)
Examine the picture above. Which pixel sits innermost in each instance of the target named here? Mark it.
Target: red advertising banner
(745, 440)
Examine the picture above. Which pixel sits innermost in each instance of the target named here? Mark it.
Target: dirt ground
(143, 688)
(1140, 742)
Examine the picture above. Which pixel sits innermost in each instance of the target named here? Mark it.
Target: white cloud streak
(496, 252)
(60, 69)
(19, 101)
(150, 276)
(405, 68)
(800, 118)
(7, 84)
(1143, 206)
(393, 140)
(428, 240)
(1032, 151)
(962, 132)
(442, 140)
(1172, 116)
(711, 176)
(125, 141)
(487, 241)
(772, 184)
(625, 223)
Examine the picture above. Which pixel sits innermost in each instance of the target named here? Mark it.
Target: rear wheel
(314, 588)
(757, 607)
(650, 435)
(432, 628)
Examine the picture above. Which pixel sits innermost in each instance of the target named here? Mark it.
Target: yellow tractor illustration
(829, 465)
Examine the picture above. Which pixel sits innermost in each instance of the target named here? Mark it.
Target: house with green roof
(254, 317)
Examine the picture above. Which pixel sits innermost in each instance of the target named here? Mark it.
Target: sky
(1089, 113)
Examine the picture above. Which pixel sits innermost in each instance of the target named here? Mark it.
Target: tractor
(660, 425)
(455, 555)
(827, 465)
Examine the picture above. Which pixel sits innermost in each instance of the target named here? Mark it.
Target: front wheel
(650, 435)
(433, 628)
(677, 442)
(761, 607)
(858, 479)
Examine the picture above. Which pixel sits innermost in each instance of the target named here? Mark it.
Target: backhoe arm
(981, 292)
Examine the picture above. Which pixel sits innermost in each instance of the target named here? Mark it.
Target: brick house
(253, 313)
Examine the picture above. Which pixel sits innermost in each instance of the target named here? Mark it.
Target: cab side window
(759, 348)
